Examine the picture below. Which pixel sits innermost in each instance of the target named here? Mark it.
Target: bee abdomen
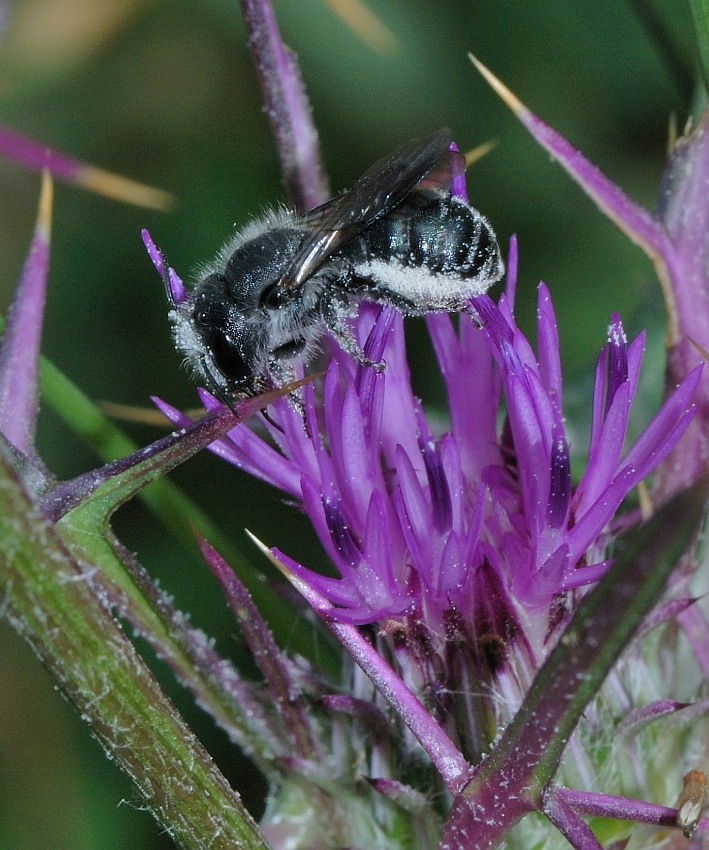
(437, 231)
(432, 253)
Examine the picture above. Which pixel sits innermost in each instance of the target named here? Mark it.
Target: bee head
(218, 343)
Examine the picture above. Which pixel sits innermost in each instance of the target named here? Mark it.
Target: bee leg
(472, 312)
(347, 342)
(335, 311)
(282, 374)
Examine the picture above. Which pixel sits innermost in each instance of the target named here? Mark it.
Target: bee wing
(427, 162)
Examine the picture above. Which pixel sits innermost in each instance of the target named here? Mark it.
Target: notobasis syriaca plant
(524, 654)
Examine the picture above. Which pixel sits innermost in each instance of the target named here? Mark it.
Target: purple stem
(665, 612)
(639, 717)
(576, 831)
(370, 715)
(287, 107)
(592, 804)
(635, 222)
(38, 157)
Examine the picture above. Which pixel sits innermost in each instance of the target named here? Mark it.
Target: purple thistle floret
(465, 549)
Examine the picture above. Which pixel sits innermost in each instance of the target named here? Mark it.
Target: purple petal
(341, 534)
(559, 498)
(603, 461)
(617, 362)
(599, 514)
(368, 382)
(532, 445)
(548, 343)
(354, 458)
(414, 511)
(457, 486)
(244, 449)
(458, 186)
(312, 498)
(453, 569)
(584, 576)
(439, 493)
(19, 351)
(598, 404)
(660, 436)
(474, 528)
(511, 271)
(473, 389)
(176, 290)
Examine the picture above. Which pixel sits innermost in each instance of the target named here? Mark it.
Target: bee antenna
(174, 288)
(165, 275)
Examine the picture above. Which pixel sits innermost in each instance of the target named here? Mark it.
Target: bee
(398, 238)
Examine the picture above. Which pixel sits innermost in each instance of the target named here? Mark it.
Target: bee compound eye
(227, 358)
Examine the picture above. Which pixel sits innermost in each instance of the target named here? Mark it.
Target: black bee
(398, 237)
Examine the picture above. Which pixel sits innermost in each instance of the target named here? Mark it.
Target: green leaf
(700, 18)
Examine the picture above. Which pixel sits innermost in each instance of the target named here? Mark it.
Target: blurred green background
(164, 92)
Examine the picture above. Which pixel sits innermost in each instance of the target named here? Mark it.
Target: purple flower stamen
(438, 486)
(560, 479)
(342, 537)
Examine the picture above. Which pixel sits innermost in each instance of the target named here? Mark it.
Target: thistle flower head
(464, 548)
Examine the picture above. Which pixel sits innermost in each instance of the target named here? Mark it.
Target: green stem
(53, 604)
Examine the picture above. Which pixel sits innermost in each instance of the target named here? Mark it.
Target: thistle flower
(464, 549)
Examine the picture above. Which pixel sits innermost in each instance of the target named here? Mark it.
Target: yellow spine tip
(261, 546)
(475, 154)
(514, 103)
(366, 25)
(124, 189)
(46, 200)
(702, 351)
